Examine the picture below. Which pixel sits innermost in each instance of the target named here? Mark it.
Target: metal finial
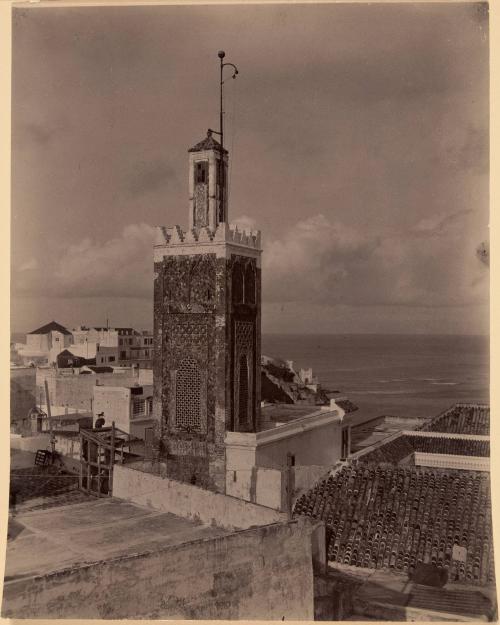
(221, 55)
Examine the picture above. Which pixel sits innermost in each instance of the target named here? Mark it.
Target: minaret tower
(207, 184)
(207, 310)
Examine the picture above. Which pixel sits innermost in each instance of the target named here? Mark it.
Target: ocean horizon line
(328, 333)
(372, 334)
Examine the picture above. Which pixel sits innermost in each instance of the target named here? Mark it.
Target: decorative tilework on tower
(207, 294)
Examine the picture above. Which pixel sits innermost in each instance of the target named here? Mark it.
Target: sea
(392, 375)
(389, 374)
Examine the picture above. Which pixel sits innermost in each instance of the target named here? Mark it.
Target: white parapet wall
(226, 239)
(314, 439)
(190, 501)
(265, 487)
(257, 467)
(449, 461)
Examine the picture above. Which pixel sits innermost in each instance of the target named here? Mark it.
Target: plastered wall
(189, 501)
(261, 573)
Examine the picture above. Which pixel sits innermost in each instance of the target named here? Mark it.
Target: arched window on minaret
(237, 284)
(243, 392)
(249, 284)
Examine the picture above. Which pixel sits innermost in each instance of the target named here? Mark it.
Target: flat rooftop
(284, 413)
(44, 541)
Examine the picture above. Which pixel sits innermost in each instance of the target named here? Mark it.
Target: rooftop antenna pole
(221, 55)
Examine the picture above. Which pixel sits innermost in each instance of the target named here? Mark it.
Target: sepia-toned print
(249, 313)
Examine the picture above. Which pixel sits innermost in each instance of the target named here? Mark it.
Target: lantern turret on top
(208, 162)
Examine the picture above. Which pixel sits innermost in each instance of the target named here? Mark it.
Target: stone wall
(261, 573)
(22, 392)
(77, 390)
(189, 501)
(114, 403)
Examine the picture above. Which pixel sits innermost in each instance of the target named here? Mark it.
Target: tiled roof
(209, 143)
(53, 326)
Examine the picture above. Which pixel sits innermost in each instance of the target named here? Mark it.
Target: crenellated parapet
(225, 239)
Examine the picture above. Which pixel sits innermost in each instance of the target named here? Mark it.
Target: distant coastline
(398, 375)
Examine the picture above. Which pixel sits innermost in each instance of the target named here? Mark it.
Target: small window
(123, 355)
(111, 359)
(201, 172)
(138, 407)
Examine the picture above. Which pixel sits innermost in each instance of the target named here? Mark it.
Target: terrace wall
(449, 461)
(190, 501)
(77, 390)
(261, 573)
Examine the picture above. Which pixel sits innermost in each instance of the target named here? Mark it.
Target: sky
(358, 138)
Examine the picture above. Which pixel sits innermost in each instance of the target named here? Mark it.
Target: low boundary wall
(30, 443)
(190, 501)
(262, 573)
(449, 461)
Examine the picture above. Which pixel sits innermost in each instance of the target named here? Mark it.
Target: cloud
(245, 223)
(120, 267)
(318, 261)
(441, 223)
(325, 262)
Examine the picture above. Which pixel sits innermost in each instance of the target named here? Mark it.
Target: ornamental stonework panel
(188, 393)
(189, 284)
(190, 397)
(201, 205)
